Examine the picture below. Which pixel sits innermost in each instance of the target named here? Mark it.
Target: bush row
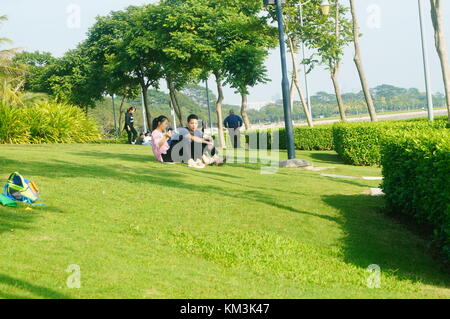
(416, 170)
(319, 138)
(360, 143)
(45, 122)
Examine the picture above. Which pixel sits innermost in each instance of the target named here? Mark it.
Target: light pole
(209, 108)
(426, 65)
(285, 80)
(325, 7)
(114, 114)
(144, 114)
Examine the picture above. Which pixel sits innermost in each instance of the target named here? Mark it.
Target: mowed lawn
(142, 229)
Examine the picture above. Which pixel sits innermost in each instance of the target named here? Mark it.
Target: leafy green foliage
(416, 170)
(360, 143)
(305, 138)
(45, 122)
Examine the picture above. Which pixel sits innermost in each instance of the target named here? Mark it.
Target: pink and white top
(157, 136)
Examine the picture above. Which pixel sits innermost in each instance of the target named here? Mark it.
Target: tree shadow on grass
(138, 158)
(370, 237)
(373, 238)
(13, 218)
(326, 158)
(18, 284)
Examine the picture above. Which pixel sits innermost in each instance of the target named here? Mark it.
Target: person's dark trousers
(174, 153)
(132, 133)
(197, 150)
(235, 136)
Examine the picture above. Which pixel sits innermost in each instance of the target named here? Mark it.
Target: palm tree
(11, 73)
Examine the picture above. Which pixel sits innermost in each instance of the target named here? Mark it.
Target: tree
(37, 68)
(359, 64)
(231, 22)
(122, 42)
(198, 94)
(73, 79)
(245, 68)
(295, 36)
(11, 72)
(328, 37)
(441, 46)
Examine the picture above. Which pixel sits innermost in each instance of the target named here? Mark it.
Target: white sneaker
(207, 160)
(196, 164)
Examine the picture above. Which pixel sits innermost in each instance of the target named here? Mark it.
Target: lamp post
(116, 132)
(425, 64)
(325, 7)
(144, 114)
(209, 108)
(285, 80)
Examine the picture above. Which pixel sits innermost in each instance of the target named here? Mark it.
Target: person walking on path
(234, 123)
(129, 125)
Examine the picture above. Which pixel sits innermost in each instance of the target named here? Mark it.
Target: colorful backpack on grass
(21, 189)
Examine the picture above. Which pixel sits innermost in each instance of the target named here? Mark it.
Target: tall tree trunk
(441, 46)
(337, 90)
(219, 108)
(244, 114)
(121, 114)
(359, 65)
(336, 66)
(147, 110)
(175, 104)
(296, 82)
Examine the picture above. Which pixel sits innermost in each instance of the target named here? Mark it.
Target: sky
(391, 45)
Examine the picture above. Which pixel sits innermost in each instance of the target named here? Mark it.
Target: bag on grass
(21, 189)
(5, 201)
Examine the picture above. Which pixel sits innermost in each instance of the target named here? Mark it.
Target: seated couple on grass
(188, 145)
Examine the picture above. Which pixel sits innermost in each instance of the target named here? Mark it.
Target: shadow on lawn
(326, 158)
(13, 218)
(138, 158)
(37, 291)
(373, 238)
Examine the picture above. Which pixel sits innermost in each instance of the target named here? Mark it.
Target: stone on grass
(296, 163)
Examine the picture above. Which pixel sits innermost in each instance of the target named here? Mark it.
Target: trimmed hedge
(416, 170)
(360, 143)
(319, 138)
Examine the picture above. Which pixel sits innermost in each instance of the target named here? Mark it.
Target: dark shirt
(129, 119)
(233, 121)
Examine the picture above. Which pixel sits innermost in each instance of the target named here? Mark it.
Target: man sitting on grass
(197, 146)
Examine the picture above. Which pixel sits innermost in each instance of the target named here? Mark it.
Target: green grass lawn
(142, 229)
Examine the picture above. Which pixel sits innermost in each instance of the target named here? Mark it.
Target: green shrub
(416, 170)
(14, 129)
(318, 138)
(360, 143)
(45, 123)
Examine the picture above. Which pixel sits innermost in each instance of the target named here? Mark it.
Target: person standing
(234, 123)
(129, 125)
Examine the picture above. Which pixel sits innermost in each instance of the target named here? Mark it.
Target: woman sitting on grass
(160, 139)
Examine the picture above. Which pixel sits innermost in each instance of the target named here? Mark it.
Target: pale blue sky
(391, 44)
